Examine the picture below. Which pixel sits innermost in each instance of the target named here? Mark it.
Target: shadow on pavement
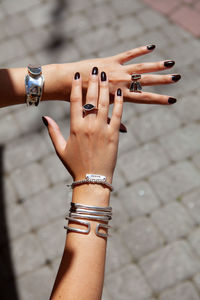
(8, 289)
(57, 37)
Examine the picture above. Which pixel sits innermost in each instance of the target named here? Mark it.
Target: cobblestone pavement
(154, 250)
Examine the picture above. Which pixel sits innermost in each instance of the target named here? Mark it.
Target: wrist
(91, 194)
(58, 79)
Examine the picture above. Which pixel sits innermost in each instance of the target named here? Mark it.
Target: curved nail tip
(95, 71)
(119, 92)
(169, 63)
(176, 78)
(103, 76)
(151, 47)
(77, 75)
(122, 128)
(172, 100)
(45, 121)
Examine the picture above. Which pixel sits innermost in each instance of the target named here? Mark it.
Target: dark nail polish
(169, 63)
(176, 77)
(95, 71)
(103, 76)
(77, 75)
(151, 47)
(119, 92)
(122, 128)
(45, 121)
(172, 100)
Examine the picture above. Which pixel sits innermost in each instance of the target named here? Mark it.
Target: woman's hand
(120, 75)
(93, 143)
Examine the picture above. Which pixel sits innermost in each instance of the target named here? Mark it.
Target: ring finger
(151, 79)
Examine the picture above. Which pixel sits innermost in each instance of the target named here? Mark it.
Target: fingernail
(169, 63)
(151, 47)
(77, 75)
(119, 92)
(172, 100)
(45, 121)
(176, 77)
(103, 76)
(95, 71)
(122, 128)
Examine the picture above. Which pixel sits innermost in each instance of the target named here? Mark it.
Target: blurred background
(154, 247)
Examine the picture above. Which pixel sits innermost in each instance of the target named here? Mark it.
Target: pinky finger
(148, 98)
(117, 110)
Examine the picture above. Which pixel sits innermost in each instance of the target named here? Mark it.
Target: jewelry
(34, 83)
(94, 218)
(99, 208)
(102, 226)
(79, 222)
(88, 108)
(92, 178)
(135, 84)
(79, 211)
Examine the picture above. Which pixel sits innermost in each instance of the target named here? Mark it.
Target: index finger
(130, 54)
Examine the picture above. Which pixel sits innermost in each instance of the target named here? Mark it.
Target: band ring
(135, 84)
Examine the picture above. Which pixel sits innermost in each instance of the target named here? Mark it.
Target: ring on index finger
(88, 108)
(135, 84)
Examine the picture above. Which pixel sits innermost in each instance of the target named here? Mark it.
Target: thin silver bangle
(99, 208)
(94, 218)
(79, 222)
(91, 212)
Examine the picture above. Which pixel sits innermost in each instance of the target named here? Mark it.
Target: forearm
(81, 272)
(57, 83)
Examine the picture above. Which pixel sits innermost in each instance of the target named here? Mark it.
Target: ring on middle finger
(135, 84)
(88, 107)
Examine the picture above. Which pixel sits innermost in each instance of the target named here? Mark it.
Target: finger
(76, 101)
(117, 110)
(92, 92)
(104, 100)
(152, 79)
(149, 67)
(130, 54)
(55, 134)
(148, 98)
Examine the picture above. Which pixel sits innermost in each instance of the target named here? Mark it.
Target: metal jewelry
(135, 84)
(34, 83)
(79, 222)
(87, 108)
(92, 178)
(78, 212)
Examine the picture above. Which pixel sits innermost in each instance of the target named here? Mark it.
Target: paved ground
(154, 251)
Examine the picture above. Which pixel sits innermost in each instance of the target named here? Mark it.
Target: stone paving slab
(153, 251)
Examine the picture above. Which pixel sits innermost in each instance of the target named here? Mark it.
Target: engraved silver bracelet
(93, 178)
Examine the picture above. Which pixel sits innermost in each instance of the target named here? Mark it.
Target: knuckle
(93, 79)
(75, 98)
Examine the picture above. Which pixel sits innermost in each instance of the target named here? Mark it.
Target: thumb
(55, 134)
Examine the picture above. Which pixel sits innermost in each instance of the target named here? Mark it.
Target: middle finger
(92, 91)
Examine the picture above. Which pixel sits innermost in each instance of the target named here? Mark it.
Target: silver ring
(135, 84)
(88, 107)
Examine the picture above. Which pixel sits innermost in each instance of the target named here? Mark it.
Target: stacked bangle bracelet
(78, 212)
